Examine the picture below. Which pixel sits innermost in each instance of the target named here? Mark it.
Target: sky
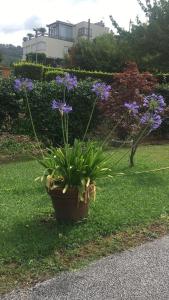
(17, 18)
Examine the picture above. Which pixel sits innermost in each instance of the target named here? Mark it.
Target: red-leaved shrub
(128, 86)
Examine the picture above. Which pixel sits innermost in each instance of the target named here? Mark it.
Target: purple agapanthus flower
(23, 84)
(156, 121)
(132, 107)
(101, 90)
(69, 81)
(153, 119)
(155, 103)
(61, 106)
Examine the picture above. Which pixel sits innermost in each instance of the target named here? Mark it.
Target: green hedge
(80, 74)
(9, 104)
(29, 70)
(163, 89)
(14, 116)
(162, 78)
(40, 72)
(46, 121)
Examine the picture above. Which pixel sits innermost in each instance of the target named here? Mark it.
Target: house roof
(60, 22)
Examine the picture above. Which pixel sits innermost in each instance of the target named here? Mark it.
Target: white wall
(56, 48)
(96, 29)
(51, 47)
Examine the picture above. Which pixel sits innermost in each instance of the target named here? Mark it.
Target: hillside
(10, 53)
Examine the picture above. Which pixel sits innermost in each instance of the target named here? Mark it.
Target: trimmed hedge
(80, 74)
(41, 72)
(29, 70)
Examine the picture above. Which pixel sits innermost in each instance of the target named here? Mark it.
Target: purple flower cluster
(132, 107)
(68, 81)
(153, 119)
(23, 84)
(61, 106)
(155, 103)
(101, 90)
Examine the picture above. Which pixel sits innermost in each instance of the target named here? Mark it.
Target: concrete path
(139, 274)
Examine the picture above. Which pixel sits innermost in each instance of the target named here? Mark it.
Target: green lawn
(32, 243)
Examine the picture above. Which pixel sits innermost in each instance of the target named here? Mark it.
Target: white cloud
(31, 22)
(42, 12)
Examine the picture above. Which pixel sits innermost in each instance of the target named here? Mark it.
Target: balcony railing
(63, 38)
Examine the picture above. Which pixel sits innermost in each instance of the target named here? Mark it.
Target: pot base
(67, 206)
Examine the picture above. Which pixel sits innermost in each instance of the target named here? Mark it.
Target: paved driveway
(138, 274)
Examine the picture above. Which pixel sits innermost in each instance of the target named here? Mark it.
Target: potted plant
(70, 178)
(71, 171)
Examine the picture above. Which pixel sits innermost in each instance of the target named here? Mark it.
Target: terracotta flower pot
(68, 207)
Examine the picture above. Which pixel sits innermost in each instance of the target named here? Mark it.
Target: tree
(25, 39)
(156, 33)
(30, 36)
(148, 41)
(42, 31)
(128, 86)
(36, 31)
(104, 53)
(0, 57)
(10, 54)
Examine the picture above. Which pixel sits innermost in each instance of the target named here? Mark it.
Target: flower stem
(110, 133)
(63, 129)
(135, 144)
(32, 123)
(91, 115)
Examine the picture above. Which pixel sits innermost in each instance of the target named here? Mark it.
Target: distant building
(61, 36)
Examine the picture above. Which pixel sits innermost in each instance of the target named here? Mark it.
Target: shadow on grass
(148, 179)
(135, 179)
(38, 238)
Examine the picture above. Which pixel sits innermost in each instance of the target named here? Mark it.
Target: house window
(54, 31)
(83, 31)
(65, 32)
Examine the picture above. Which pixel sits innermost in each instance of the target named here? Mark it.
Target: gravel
(141, 273)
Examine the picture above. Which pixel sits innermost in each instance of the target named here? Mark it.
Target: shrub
(9, 104)
(34, 57)
(46, 123)
(29, 70)
(128, 86)
(163, 89)
(80, 74)
(162, 78)
(50, 75)
(39, 72)
(14, 115)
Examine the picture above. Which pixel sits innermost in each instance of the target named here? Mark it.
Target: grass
(33, 246)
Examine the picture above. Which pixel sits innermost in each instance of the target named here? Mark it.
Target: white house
(61, 36)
